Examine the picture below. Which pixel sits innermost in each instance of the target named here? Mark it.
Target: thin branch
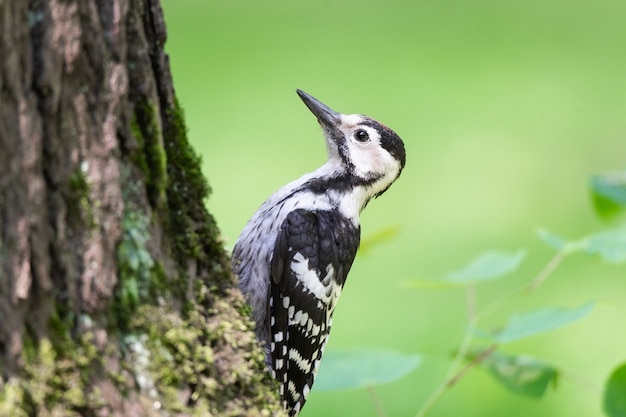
(499, 303)
(460, 355)
(470, 302)
(543, 275)
(534, 284)
(380, 410)
(453, 376)
(475, 361)
(432, 400)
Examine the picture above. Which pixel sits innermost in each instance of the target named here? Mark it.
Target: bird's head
(361, 149)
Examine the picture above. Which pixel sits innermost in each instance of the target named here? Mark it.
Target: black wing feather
(322, 246)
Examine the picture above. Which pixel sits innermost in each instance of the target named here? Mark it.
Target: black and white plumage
(293, 256)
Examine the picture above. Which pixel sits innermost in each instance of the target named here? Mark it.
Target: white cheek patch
(369, 159)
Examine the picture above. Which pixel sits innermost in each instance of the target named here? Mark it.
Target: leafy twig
(454, 375)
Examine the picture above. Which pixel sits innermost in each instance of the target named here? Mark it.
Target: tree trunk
(116, 296)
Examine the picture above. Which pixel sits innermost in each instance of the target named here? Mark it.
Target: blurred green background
(506, 108)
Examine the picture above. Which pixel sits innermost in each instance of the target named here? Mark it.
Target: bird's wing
(312, 256)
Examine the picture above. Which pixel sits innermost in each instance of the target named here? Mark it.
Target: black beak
(326, 116)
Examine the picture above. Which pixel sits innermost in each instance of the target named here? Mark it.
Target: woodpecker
(293, 256)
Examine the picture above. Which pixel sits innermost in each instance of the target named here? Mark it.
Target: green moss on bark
(181, 336)
(178, 338)
(195, 233)
(135, 266)
(55, 379)
(206, 363)
(170, 338)
(150, 156)
(78, 201)
(189, 342)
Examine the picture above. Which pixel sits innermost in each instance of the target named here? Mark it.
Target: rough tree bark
(116, 297)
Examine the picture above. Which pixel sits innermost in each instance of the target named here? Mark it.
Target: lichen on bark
(116, 295)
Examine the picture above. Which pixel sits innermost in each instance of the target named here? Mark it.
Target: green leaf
(560, 244)
(363, 367)
(609, 193)
(521, 374)
(610, 245)
(614, 401)
(489, 265)
(529, 324)
(554, 241)
(378, 237)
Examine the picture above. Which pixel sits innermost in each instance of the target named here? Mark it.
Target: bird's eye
(361, 136)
